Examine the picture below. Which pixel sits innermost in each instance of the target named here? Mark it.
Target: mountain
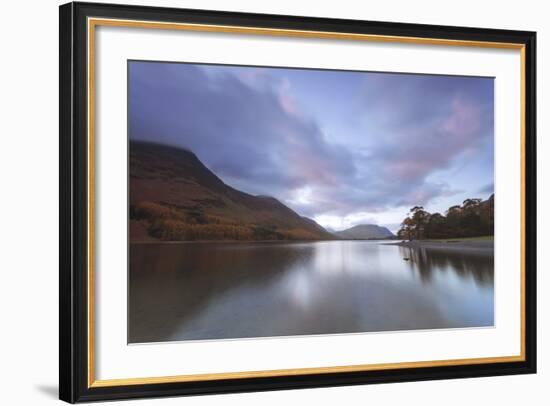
(365, 232)
(175, 197)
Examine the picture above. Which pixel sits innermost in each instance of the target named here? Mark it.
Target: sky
(343, 148)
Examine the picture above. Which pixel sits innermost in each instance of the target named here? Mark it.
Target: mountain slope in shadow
(175, 197)
(365, 232)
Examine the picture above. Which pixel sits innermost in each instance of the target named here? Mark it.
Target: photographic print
(268, 202)
(255, 202)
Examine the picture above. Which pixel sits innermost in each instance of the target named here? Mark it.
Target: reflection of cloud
(247, 125)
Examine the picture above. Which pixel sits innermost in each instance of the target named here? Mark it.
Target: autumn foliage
(171, 224)
(474, 218)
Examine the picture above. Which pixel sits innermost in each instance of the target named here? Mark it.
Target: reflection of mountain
(195, 291)
(169, 284)
(365, 232)
(175, 197)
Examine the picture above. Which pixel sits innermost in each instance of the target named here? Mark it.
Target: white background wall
(29, 189)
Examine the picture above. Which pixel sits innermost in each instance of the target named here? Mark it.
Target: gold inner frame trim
(94, 22)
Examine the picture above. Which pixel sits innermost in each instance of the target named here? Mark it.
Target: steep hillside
(365, 232)
(175, 197)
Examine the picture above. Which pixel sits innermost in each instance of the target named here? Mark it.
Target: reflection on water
(185, 291)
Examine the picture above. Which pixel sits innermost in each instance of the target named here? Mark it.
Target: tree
(419, 217)
(470, 203)
(436, 227)
(473, 218)
(407, 229)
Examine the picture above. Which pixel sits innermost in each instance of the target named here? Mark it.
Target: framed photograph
(256, 202)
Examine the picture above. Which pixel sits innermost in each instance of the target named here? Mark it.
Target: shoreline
(476, 247)
(246, 241)
(225, 241)
(481, 247)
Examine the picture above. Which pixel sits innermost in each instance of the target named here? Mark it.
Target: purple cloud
(249, 126)
(244, 133)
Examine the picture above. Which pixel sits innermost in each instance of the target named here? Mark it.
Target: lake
(198, 291)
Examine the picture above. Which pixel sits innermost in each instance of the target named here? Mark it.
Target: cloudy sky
(343, 148)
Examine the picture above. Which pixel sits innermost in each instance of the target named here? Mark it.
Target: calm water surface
(195, 291)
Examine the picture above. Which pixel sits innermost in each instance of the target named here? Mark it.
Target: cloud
(424, 124)
(246, 125)
(246, 133)
(487, 189)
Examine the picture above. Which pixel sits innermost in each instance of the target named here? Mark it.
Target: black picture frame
(74, 385)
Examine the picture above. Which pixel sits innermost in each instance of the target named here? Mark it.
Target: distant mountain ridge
(175, 197)
(365, 232)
